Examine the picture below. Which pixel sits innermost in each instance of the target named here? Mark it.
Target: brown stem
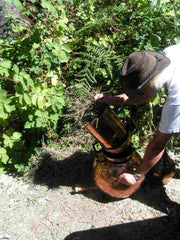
(9, 79)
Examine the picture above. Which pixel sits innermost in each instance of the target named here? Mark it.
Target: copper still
(117, 156)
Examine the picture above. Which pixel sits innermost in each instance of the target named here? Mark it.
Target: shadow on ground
(71, 171)
(77, 170)
(161, 228)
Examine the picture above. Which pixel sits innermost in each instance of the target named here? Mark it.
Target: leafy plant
(31, 80)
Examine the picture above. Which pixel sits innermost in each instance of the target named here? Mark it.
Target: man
(143, 74)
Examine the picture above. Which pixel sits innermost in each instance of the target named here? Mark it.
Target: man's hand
(112, 100)
(102, 97)
(127, 179)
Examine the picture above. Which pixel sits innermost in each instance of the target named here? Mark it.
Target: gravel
(43, 207)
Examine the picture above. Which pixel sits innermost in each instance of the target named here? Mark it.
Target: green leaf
(63, 57)
(8, 108)
(16, 135)
(16, 77)
(3, 155)
(29, 124)
(34, 99)
(3, 94)
(19, 167)
(6, 64)
(16, 68)
(18, 4)
(61, 102)
(27, 77)
(3, 115)
(39, 123)
(39, 113)
(23, 83)
(40, 102)
(2, 170)
(36, 45)
(155, 39)
(36, 89)
(60, 92)
(61, 54)
(30, 117)
(50, 7)
(27, 98)
(66, 48)
(7, 141)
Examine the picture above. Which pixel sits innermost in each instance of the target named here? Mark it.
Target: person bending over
(142, 75)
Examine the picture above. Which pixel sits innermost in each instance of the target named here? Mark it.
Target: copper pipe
(117, 150)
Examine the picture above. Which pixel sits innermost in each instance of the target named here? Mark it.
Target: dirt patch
(44, 207)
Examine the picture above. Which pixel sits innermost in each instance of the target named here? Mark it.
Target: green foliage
(97, 62)
(78, 45)
(31, 86)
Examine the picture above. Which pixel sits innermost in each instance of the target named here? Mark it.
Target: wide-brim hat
(139, 68)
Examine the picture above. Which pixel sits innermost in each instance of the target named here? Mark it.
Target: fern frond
(97, 57)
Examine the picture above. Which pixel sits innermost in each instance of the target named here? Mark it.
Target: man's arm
(122, 99)
(154, 151)
(153, 154)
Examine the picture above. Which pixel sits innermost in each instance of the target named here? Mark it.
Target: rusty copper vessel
(116, 156)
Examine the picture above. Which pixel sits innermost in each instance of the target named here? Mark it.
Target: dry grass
(84, 109)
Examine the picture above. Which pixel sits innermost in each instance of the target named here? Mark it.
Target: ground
(43, 207)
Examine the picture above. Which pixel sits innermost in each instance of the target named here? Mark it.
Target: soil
(44, 207)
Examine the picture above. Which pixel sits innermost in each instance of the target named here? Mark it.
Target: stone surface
(45, 209)
(6, 8)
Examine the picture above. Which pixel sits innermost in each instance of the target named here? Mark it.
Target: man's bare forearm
(151, 157)
(154, 152)
(123, 99)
